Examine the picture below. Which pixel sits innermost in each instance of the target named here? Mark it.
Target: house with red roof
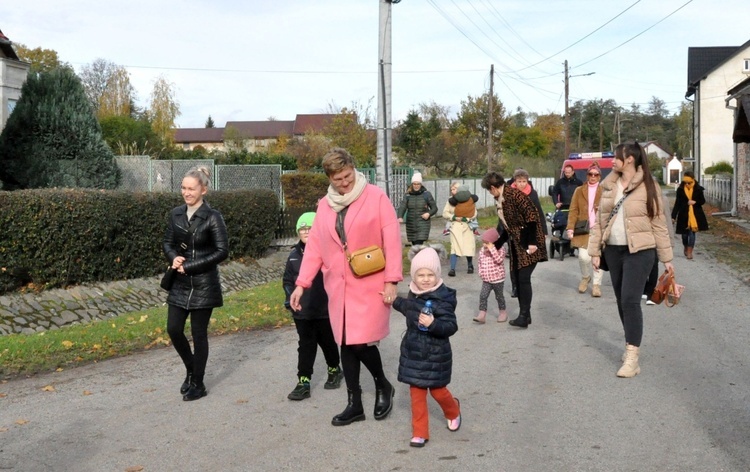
(13, 72)
(252, 135)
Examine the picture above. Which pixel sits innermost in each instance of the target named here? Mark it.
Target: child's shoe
(480, 318)
(446, 232)
(416, 441)
(335, 374)
(301, 391)
(503, 316)
(455, 424)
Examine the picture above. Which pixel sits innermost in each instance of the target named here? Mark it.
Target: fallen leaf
(59, 369)
(134, 468)
(21, 422)
(67, 344)
(3, 395)
(2, 430)
(48, 388)
(143, 318)
(86, 392)
(242, 400)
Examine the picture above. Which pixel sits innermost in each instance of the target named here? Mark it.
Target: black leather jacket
(200, 286)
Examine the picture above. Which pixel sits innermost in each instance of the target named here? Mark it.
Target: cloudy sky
(257, 59)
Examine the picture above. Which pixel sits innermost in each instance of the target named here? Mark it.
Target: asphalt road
(541, 399)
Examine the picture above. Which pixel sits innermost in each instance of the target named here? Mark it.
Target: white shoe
(649, 302)
(644, 297)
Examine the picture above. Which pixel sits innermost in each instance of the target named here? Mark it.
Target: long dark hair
(653, 193)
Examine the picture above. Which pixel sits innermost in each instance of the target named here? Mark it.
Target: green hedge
(54, 238)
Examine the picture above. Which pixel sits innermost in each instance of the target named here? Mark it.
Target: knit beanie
(427, 258)
(462, 195)
(305, 220)
(416, 178)
(490, 236)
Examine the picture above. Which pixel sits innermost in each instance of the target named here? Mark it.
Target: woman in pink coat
(359, 307)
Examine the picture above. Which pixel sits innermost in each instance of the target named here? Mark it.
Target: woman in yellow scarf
(688, 212)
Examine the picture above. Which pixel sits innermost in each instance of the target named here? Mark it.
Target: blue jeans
(688, 238)
(629, 273)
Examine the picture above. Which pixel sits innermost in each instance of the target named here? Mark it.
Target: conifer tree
(52, 138)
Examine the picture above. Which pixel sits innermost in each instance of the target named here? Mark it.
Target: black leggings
(352, 355)
(176, 318)
(629, 274)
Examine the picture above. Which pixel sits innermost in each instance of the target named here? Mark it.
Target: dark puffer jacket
(314, 301)
(426, 358)
(200, 286)
(414, 204)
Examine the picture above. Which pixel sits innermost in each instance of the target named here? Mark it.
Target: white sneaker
(644, 297)
(649, 302)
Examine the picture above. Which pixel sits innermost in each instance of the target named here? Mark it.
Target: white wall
(12, 76)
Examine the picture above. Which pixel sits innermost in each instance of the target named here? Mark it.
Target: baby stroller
(558, 241)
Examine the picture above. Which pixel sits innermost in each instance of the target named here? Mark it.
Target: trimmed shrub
(55, 238)
(721, 167)
(304, 189)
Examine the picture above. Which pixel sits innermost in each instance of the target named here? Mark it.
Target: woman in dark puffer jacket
(195, 243)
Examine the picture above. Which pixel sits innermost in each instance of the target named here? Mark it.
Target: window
(12, 105)
(746, 66)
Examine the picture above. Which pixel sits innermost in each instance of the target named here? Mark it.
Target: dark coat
(680, 209)
(563, 190)
(535, 200)
(200, 286)
(414, 204)
(314, 301)
(524, 229)
(426, 358)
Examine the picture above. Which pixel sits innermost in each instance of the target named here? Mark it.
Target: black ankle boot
(520, 322)
(353, 411)
(186, 383)
(384, 393)
(196, 391)
(514, 292)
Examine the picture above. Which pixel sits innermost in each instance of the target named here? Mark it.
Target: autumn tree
(472, 121)
(163, 110)
(683, 121)
(347, 131)
(41, 60)
(309, 150)
(52, 138)
(108, 88)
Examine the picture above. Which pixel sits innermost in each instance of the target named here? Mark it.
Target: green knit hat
(306, 220)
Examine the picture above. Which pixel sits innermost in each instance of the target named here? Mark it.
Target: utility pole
(384, 144)
(567, 115)
(489, 132)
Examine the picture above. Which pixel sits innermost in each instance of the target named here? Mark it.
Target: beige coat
(641, 231)
(463, 242)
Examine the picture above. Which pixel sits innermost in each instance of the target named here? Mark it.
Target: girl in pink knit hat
(492, 272)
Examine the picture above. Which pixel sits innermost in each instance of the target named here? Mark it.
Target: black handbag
(167, 280)
(581, 227)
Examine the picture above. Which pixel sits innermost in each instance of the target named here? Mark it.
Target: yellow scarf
(692, 223)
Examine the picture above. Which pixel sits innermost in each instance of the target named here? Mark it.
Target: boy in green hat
(313, 326)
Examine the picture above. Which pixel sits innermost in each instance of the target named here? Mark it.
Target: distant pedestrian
(521, 181)
(459, 210)
(583, 208)
(195, 243)
(519, 225)
(688, 211)
(311, 321)
(416, 209)
(492, 272)
(426, 361)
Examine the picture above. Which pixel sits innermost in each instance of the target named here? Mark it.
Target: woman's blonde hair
(201, 174)
(336, 160)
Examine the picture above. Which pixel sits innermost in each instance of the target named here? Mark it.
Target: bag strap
(671, 290)
(614, 210)
(341, 232)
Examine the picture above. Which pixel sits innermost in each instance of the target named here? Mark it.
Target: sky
(253, 60)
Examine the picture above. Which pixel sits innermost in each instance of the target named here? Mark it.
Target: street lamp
(567, 113)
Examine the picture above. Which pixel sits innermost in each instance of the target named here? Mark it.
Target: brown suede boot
(689, 252)
(584, 284)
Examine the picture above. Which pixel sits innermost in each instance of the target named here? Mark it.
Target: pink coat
(369, 220)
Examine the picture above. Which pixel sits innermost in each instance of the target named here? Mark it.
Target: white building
(13, 73)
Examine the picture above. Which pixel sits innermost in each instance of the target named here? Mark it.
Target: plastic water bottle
(427, 310)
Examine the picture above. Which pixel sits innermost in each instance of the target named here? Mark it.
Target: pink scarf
(526, 190)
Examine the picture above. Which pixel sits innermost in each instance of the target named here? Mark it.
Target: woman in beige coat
(463, 243)
(583, 207)
(630, 231)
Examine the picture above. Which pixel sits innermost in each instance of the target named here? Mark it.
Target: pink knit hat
(490, 236)
(427, 258)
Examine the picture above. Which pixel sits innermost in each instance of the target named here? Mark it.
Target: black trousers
(352, 355)
(199, 319)
(314, 333)
(629, 273)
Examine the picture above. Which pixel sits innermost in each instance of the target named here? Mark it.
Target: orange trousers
(420, 417)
